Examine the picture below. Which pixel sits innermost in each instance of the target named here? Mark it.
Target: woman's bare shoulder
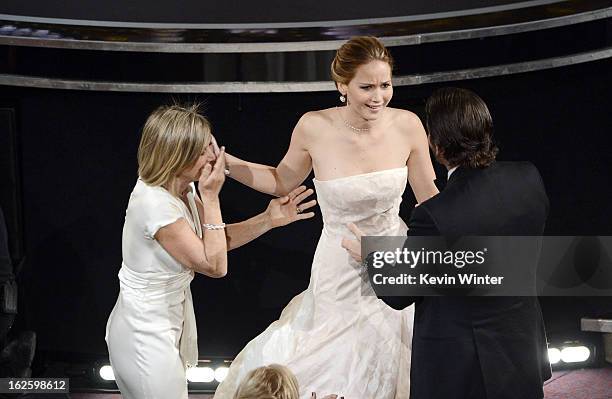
(403, 115)
(314, 121)
(406, 121)
(319, 116)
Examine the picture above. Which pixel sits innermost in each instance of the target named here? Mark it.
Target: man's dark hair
(460, 126)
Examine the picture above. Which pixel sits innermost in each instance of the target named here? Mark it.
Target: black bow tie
(440, 183)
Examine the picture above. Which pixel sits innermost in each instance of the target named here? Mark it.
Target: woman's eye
(386, 85)
(365, 87)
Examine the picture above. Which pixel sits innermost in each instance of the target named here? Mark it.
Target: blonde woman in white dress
(333, 336)
(170, 232)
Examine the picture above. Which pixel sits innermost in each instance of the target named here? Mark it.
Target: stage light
(106, 373)
(200, 374)
(221, 373)
(575, 354)
(554, 355)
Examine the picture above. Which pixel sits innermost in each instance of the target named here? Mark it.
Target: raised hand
(213, 142)
(288, 209)
(212, 177)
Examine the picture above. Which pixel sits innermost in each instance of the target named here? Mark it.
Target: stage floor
(567, 384)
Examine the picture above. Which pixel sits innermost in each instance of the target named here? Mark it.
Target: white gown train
(336, 336)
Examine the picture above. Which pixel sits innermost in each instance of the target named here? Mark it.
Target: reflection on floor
(580, 384)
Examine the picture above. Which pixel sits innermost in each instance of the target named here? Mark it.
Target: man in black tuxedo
(476, 347)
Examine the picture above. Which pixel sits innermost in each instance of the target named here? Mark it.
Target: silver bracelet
(209, 226)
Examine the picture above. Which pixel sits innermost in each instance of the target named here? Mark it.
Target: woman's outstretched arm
(280, 212)
(282, 179)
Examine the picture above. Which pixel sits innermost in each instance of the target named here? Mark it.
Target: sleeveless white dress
(335, 338)
(151, 332)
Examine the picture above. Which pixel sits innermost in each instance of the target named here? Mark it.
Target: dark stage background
(236, 11)
(78, 166)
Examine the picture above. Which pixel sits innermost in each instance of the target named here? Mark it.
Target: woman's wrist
(230, 160)
(209, 196)
(213, 226)
(267, 220)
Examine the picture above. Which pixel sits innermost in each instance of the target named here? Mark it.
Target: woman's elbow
(220, 270)
(215, 268)
(282, 191)
(281, 188)
(218, 267)
(212, 272)
(217, 274)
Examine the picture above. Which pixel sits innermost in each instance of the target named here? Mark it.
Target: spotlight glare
(575, 354)
(554, 355)
(221, 373)
(106, 373)
(200, 374)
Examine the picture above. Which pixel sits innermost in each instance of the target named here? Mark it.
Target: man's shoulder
(524, 172)
(500, 172)
(514, 166)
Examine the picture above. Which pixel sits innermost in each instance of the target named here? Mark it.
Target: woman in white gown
(336, 336)
(170, 233)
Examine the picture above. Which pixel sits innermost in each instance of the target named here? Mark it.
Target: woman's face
(193, 172)
(370, 90)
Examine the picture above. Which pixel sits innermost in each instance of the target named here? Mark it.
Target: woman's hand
(212, 177)
(290, 208)
(353, 246)
(216, 149)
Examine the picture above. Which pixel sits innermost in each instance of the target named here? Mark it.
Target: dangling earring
(342, 98)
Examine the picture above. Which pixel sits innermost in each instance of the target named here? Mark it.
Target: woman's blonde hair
(173, 138)
(269, 382)
(358, 51)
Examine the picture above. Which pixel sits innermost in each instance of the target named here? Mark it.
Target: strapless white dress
(334, 336)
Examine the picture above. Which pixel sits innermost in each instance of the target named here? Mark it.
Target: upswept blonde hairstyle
(173, 137)
(269, 382)
(358, 51)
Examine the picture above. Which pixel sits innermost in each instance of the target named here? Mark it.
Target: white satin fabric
(151, 332)
(336, 336)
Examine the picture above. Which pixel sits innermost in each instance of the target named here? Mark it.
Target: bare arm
(421, 173)
(280, 212)
(207, 255)
(290, 172)
(238, 234)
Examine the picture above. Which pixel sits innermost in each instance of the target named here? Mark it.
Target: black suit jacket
(480, 347)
